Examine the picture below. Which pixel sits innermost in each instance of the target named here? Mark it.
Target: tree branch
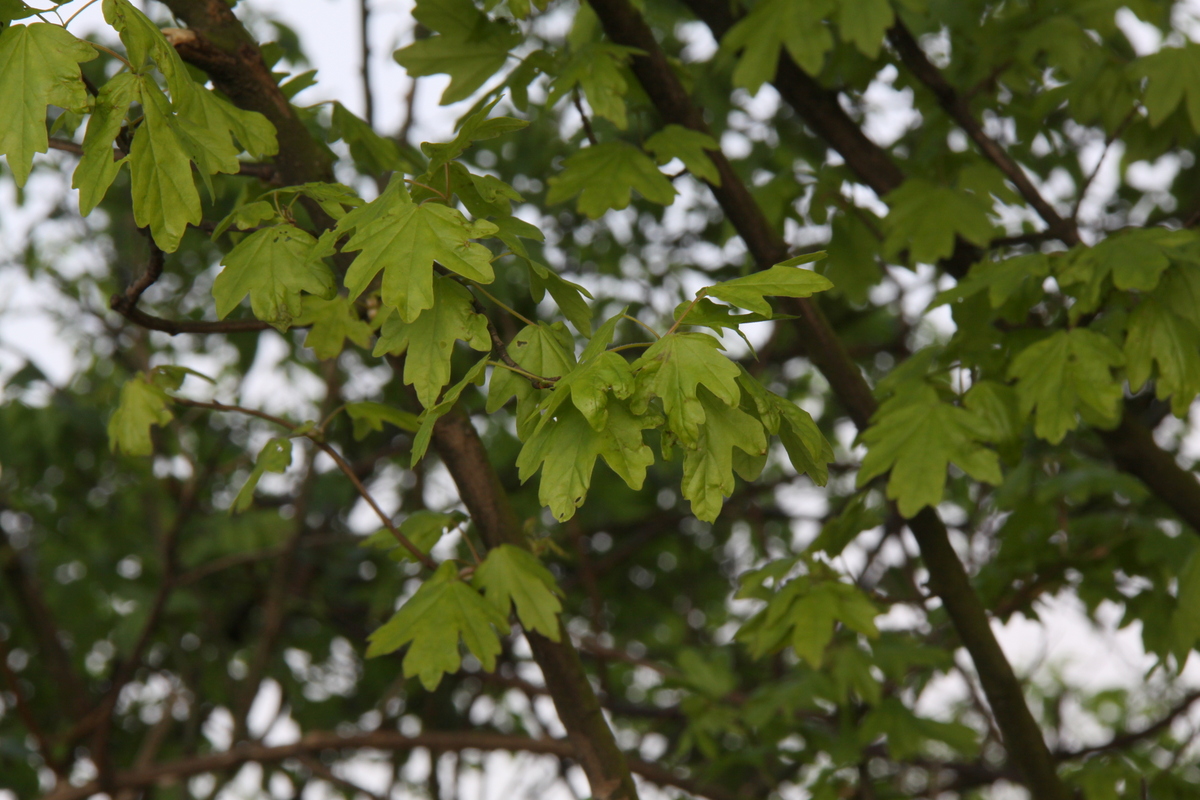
(314, 743)
(1023, 737)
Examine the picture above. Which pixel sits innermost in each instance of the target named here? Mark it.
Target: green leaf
(689, 146)
(164, 193)
(673, 369)
(142, 405)
(544, 350)
(477, 127)
(368, 416)
(925, 217)
(248, 216)
(803, 614)
(853, 264)
(423, 528)
(99, 166)
(512, 576)
(39, 67)
(1185, 621)
(566, 449)
(1002, 279)
(567, 295)
(429, 339)
(432, 620)
(916, 435)
(751, 291)
(588, 386)
(1157, 335)
(807, 448)
(372, 153)
(596, 68)
(1135, 261)
(774, 24)
(273, 266)
(864, 23)
(276, 456)
(470, 49)
(1172, 75)
(605, 176)
(403, 240)
(708, 466)
(431, 415)
(1065, 373)
(333, 321)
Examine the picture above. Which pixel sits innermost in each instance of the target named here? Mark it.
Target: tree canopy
(689, 420)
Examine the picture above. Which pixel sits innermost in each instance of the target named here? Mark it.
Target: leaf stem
(686, 311)
(632, 318)
(112, 53)
(619, 348)
(438, 192)
(86, 5)
(521, 372)
(341, 463)
(512, 311)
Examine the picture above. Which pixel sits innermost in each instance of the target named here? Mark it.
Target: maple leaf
(373, 154)
(1065, 373)
(369, 416)
(403, 240)
(431, 623)
(916, 435)
(423, 528)
(807, 448)
(596, 69)
(141, 406)
(853, 264)
(588, 386)
(429, 339)
(333, 321)
(864, 23)
(164, 193)
(605, 176)
(689, 146)
(511, 576)
(708, 466)
(773, 25)
(1002, 279)
(1172, 75)
(98, 168)
(925, 217)
(431, 415)
(1157, 335)
(543, 350)
(273, 265)
(39, 67)
(470, 47)
(566, 450)
(673, 368)
(1135, 261)
(276, 456)
(750, 292)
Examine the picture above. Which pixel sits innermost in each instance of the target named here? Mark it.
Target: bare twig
(587, 123)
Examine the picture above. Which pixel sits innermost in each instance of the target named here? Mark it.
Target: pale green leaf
(273, 265)
(99, 165)
(708, 466)
(773, 25)
(164, 193)
(673, 369)
(544, 350)
(605, 176)
(750, 292)
(1159, 336)
(596, 69)
(333, 321)
(689, 146)
(511, 576)
(433, 620)
(142, 405)
(276, 456)
(39, 66)
(429, 340)
(1065, 373)
(924, 218)
(916, 435)
(431, 415)
(369, 416)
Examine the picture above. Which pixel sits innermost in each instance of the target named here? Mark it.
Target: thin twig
(1108, 143)
(364, 17)
(587, 123)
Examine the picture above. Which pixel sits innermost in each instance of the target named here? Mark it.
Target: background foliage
(381, 455)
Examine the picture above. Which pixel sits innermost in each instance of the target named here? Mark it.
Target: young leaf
(477, 127)
(774, 24)
(98, 166)
(164, 193)
(404, 239)
(751, 291)
(1002, 279)
(276, 456)
(596, 69)
(273, 266)
(429, 339)
(925, 217)
(689, 146)
(673, 368)
(1159, 335)
(372, 153)
(470, 49)
(432, 415)
(588, 386)
(432, 620)
(511, 576)
(916, 435)
(566, 450)
(424, 528)
(864, 23)
(1172, 74)
(807, 448)
(368, 416)
(543, 350)
(39, 67)
(333, 321)
(142, 405)
(1065, 373)
(605, 175)
(708, 466)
